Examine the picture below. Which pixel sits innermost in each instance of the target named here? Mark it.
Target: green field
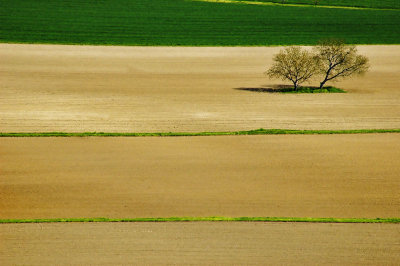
(384, 4)
(190, 23)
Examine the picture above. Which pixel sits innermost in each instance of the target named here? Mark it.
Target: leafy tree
(294, 64)
(336, 60)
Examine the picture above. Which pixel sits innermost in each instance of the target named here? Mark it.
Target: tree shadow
(268, 88)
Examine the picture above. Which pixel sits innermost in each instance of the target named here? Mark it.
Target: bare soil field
(348, 176)
(147, 89)
(200, 243)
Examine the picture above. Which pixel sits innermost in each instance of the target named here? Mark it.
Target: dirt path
(351, 176)
(200, 244)
(145, 89)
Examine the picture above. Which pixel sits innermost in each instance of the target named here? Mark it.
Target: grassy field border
(207, 219)
(260, 131)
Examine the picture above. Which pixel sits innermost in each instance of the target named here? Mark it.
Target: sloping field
(153, 89)
(342, 176)
(189, 23)
(200, 244)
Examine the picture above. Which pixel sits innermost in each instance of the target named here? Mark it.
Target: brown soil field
(147, 89)
(349, 176)
(201, 243)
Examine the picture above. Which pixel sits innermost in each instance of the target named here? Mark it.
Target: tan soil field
(352, 176)
(147, 89)
(47, 88)
(202, 243)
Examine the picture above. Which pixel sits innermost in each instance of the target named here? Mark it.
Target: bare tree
(337, 60)
(294, 64)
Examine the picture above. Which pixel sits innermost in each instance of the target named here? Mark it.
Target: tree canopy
(294, 64)
(330, 60)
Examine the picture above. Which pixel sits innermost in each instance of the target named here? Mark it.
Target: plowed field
(147, 89)
(200, 244)
(349, 176)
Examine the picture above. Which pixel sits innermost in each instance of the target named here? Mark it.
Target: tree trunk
(295, 85)
(321, 85)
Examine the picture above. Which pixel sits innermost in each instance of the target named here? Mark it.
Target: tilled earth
(352, 176)
(147, 89)
(200, 243)
(153, 89)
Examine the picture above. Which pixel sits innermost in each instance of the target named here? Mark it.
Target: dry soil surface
(351, 176)
(199, 243)
(145, 89)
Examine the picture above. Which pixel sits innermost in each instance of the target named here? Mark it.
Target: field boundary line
(208, 219)
(258, 3)
(260, 131)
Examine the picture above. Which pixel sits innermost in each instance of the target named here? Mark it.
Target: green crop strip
(209, 219)
(260, 131)
(191, 23)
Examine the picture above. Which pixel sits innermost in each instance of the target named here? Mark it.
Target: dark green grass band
(194, 23)
(209, 219)
(260, 131)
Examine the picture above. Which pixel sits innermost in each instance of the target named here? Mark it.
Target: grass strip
(208, 219)
(260, 131)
